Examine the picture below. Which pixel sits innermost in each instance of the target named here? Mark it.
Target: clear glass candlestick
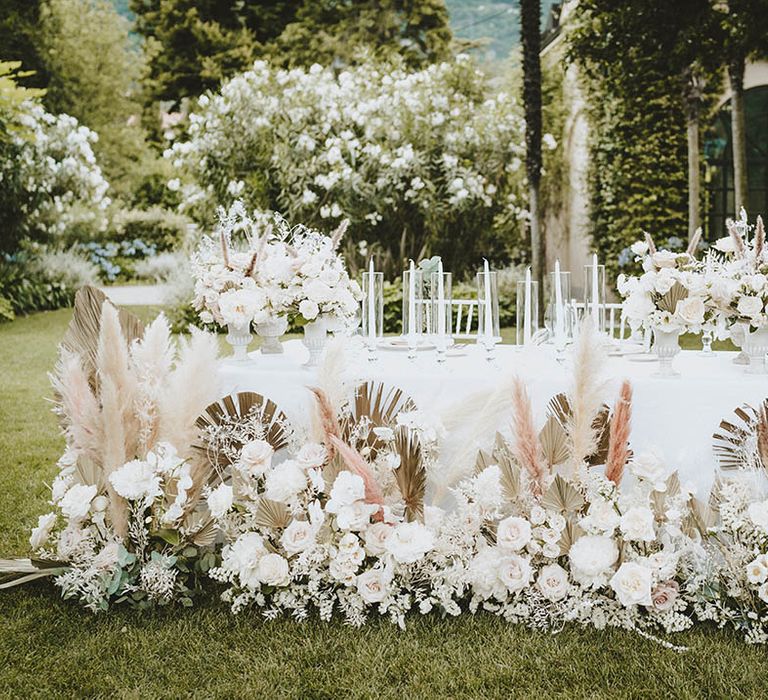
(526, 312)
(706, 343)
(440, 314)
(557, 317)
(373, 311)
(413, 309)
(594, 295)
(488, 331)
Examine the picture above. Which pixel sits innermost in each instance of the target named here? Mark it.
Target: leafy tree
(648, 90)
(530, 17)
(743, 33)
(194, 44)
(94, 76)
(19, 20)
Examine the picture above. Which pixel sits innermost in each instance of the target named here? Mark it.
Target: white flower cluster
(677, 292)
(671, 294)
(63, 183)
(81, 529)
(372, 143)
(258, 269)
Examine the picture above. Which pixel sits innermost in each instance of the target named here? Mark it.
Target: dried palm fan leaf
(16, 572)
(554, 442)
(562, 497)
(206, 534)
(272, 514)
(559, 410)
(618, 435)
(571, 532)
(483, 461)
(668, 302)
(410, 475)
(242, 416)
(379, 404)
(501, 456)
(701, 518)
(742, 441)
(82, 336)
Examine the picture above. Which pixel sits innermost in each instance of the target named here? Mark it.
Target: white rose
(373, 585)
(285, 481)
(356, 516)
(136, 481)
(346, 489)
(639, 248)
(591, 556)
(637, 524)
(272, 570)
(239, 306)
(484, 575)
(256, 457)
(750, 306)
(76, 502)
(691, 311)
(537, 515)
(242, 557)
(638, 306)
(757, 570)
(376, 537)
(220, 500)
(312, 455)
(298, 536)
(42, 532)
(758, 514)
(514, 572)
(755, 282)
(647, 466)
(513, 534)
(309, 309)
(725, 245)
(552, 582)
(664, 281)
(409, 542)
(664, 259)
(632, 584)
(601, 517)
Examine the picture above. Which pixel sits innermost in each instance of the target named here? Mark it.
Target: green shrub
(25, 287)
(161, 228)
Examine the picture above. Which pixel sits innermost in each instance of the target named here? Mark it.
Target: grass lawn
(51, 648)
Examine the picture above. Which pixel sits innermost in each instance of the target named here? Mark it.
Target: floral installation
(670, 295)
(129, 523)
(270, 271)
(164, 486)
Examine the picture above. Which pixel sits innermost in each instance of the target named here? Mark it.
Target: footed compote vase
(666, 346)
(270, 332)
(315, 336)
(239, 337)
(755, 344)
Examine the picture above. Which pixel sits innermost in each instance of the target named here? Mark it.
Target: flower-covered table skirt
(676, 417)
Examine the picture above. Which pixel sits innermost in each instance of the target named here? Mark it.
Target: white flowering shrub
(63, 186)
(415, 160)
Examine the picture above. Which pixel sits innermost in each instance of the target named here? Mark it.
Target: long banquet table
(675, 418)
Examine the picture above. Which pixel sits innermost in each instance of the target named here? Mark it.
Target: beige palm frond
(272, 514)
(562, 497)
(378, 403)
(241, 408)
(668, 302)
(554, 442)
(504, 459)
(571, 532)
(410, 475)
(742, 441)
(701, 518)
(82, 335)
(559, 410)
(17, 572)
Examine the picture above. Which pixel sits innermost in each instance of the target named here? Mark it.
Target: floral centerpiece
(736, 276)
(669, 298)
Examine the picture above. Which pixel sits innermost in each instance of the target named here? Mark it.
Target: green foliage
(195, 44)
(19, 22)
(161, 228)
(25, 287)
(636, 79)
(94, 76)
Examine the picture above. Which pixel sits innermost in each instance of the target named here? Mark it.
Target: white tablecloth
(674, 417)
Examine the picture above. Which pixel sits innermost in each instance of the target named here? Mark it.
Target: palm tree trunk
(530, 17)
(738, 132)
(694, 181)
